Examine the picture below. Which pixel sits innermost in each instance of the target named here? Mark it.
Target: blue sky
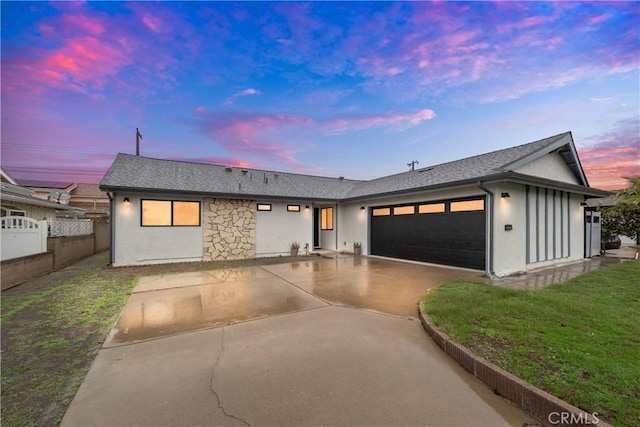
(353, 89)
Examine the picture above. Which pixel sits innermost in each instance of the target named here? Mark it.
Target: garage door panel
(449, 238)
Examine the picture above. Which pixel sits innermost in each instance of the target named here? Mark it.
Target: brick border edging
(537, 403)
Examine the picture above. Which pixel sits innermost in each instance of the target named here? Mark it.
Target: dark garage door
(450, 232)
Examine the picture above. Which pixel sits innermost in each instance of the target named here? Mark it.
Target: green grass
(53, 328)
(579, 340)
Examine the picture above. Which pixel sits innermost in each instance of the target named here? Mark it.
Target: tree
(624, 218)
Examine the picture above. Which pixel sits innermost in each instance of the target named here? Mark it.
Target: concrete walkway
(319, 342)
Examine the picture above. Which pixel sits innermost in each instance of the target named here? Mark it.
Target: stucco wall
(554, 223)
(277, 229)
(229, 229)
(353, 227)
(550, 166)
(135, 244)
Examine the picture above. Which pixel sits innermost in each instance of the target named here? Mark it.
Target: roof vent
(228, 169)
(275, 175)
(425, 169)
(244, 171)
(341, 178)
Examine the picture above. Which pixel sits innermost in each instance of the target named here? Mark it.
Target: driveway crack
(215, 393)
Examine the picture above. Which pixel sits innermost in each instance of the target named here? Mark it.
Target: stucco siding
(353, 227)
(278, 228)
(509, 245)
(550, 166)
(135, 244)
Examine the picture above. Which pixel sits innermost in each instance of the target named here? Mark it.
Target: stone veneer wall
(229, 229)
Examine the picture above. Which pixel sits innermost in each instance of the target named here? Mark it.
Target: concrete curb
(547, 409)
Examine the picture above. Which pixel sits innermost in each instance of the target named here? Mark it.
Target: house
(88, 197)
(503, 212)
(18, 200)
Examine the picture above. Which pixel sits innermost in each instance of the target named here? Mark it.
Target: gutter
(488, 270)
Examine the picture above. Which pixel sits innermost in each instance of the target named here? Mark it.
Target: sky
(353, 89)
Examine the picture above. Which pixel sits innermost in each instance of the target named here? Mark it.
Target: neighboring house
(20, 201)
(504, 212)
(88, 197)
(605, 202)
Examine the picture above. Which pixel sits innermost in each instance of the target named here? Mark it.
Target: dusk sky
(352, 89)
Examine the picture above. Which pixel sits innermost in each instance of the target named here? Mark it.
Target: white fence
(22, 236)
(69, 227)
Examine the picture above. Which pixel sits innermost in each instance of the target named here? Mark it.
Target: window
(404, 210)
(167, 213)
(326, 219)
(431, 208)
(469, 205)
(264, 206)
(293, 208)
(12, 212)
(382, 212)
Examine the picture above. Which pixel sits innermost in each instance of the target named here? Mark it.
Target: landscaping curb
(547, 409)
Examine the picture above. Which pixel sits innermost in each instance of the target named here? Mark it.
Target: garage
(448, 232)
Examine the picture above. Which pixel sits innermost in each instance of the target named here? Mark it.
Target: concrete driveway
(318, 342)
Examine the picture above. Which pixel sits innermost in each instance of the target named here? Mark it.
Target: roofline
(8, 176)
(495, 178)
(115, 189)
(240, 168)
(566, 139)
(40, 202)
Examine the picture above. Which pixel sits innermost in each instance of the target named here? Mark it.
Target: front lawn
(579, 340)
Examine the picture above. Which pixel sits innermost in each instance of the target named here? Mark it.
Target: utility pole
(138, 138)
(412, 164)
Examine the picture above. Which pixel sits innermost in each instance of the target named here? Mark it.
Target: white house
(503, 212)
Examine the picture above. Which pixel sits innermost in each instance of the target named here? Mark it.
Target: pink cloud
(340, 125)
(613, 156)
(251, 133)
(241, 93)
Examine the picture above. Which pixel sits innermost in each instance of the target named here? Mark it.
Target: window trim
(172, 213)
(325, 224)
(263, 207)
(12, 211)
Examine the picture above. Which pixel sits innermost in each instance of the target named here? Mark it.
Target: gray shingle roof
(142, 173)
(459, 170)
(146, 174)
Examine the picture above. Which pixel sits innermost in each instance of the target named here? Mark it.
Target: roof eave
(519, 178)
(246, 196)
(565, 140)
(40, 202)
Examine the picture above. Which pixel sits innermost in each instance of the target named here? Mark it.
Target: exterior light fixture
(505, 194)
(126, 200)
(362, 207)
(306, 207)
(583, 203)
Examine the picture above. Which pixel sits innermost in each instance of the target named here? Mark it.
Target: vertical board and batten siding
(548, 224)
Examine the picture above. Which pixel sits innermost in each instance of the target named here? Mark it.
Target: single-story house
(18, 200)
(503, 212)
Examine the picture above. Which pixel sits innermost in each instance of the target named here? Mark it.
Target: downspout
(335, 223)
(112, 221)
(488, 270)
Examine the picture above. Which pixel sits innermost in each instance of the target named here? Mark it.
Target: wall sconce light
(505, 194)
(126, 200)
(306, 207)
(361, 207)
(583, 203)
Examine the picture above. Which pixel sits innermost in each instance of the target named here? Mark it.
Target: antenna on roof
(138, 138)
(412, 164)
(57, 196)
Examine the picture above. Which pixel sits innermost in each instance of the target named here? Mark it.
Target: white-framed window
(5, 211)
